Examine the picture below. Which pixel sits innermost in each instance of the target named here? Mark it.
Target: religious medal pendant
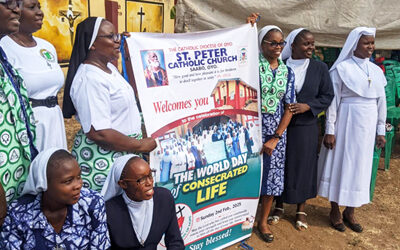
(369, 81)
(58, 247)
(142, 243)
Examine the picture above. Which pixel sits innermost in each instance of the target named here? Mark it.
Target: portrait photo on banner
(153, 62)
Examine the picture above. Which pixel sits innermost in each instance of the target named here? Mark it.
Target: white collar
(360, 60)
(297, 62)
(141, 214)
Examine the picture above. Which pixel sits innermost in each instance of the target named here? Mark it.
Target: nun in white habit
(355, 119)
(138, 214)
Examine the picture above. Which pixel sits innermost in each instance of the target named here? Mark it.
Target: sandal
(274, 219)
(301, 225)
(267, 237)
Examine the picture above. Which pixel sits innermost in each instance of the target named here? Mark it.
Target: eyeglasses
(144, 179)
(275, 44)
(12, 4)
(114, 37)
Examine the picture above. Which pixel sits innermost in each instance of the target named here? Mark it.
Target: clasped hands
(298, 108)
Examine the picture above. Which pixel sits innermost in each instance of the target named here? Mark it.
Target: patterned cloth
(85, 226)
(274, 165)
(273, 84)
(95, 161)
(17, 130)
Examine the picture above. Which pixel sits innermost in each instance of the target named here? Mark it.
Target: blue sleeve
(99, 237)
(290, 95)
(10, 237)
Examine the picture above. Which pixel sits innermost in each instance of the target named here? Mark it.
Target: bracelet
(276, 135)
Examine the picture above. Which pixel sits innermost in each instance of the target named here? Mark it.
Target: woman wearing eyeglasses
(138, 214)
(17, 130)
(103, 102)
(277, 92)
(36, 61)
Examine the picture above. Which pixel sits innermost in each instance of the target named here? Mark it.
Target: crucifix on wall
(141, 14)
(144, 16)
(71, 16)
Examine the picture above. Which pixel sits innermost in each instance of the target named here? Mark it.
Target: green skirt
(95, 161)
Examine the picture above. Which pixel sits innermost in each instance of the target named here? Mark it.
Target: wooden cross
(141, 14)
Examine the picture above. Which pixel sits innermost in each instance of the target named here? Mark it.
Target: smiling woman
(36, 61)
(17, 130)
(103, 102)
(138, 214)
(358, 111)
(314, 93)
(63, 214)
(277, 93)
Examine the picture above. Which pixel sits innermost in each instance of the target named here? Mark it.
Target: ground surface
(381, 218)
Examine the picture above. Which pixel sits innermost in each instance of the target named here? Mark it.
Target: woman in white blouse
(36, 61)
(103, 101)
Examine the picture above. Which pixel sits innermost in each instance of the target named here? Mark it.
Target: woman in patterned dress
(54, 211)
(103, 102)
(17, 129)
(277, 92)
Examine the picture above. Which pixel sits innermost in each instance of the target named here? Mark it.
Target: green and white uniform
(15, 135)
(95, 161)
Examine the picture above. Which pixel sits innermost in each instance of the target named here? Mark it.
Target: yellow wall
(97, 9)
(55, 28)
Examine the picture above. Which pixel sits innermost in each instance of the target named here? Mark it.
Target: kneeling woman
(55, 212)
(138, 214)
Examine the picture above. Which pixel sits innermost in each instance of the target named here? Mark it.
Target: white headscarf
(263, 32)
(95, 30)
(351, 43)
(299, 66)
(111, 188)
(141, 213)
(37, 177)
(287, 50)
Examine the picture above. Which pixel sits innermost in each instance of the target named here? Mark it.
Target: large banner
(199, 97)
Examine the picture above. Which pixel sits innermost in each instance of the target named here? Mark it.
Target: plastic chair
(392, 73)
(375, 165)
(388, 147)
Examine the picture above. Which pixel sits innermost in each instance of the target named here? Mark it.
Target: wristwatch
(276, 135)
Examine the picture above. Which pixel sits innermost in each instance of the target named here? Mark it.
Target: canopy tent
(329, 20)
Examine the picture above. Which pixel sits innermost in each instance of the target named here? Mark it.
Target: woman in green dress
(17, 130)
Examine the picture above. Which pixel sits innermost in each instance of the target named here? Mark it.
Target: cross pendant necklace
(367, 73)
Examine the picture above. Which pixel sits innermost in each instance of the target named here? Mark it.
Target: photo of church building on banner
(234, 94)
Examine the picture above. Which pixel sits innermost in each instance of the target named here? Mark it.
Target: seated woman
(138, 214)
(104, 103)
(55, 212)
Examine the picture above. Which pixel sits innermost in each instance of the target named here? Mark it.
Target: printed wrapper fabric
(94, 161)
(15, 152)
